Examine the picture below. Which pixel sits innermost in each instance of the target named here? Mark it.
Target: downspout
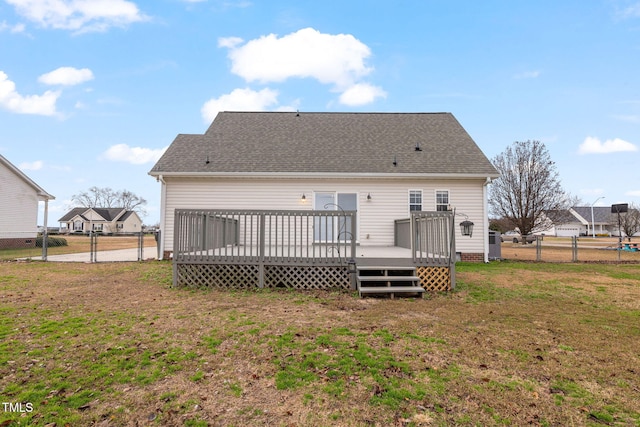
(163, 203)
(485, 201)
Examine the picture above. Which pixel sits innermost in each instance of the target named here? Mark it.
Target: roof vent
(297, 113)
(418, 148)
(395, 161)
(207, 161)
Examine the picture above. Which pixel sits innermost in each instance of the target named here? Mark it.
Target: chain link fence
(574, 249)
(92, 247)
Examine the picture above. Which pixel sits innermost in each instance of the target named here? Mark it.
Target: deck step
(388, 278)
(391, 280)
(385, 267)
(391, 290)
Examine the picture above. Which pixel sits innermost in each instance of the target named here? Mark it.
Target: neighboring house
(19, 197)
(578, 221)
(103, 220)
(383, 166)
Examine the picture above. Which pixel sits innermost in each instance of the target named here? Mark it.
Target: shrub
(52, 241)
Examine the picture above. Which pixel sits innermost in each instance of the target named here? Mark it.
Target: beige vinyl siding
(389, 201)
(133, 224)
(18, 206)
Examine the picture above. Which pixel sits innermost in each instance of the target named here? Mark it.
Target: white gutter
(163, 204)
(298, 175)
(485, 208)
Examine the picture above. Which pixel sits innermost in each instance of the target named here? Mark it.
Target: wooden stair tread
(390, 289)
(388, 278)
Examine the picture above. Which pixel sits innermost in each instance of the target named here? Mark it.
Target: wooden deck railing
(433, 238)
(261, 236)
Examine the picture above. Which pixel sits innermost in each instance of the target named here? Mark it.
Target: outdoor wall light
(303, 198)
(466, 228)
(369, 197)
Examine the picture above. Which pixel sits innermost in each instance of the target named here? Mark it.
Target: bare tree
(629, 221)
(96, 197)
(528, 191)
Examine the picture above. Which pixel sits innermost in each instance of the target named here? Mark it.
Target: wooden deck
(302, 249)
(316, 254)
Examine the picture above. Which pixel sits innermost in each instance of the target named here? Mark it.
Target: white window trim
(421, 191)
(435, 197)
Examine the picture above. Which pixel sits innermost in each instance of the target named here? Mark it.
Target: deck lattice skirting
(243, 276)
(302, 250)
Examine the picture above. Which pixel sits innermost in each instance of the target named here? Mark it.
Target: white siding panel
(389, 201)
(18, 206)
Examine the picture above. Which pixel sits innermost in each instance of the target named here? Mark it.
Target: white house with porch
(100, 220)
(341, 177)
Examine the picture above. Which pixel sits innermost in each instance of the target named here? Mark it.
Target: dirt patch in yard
(113, 344)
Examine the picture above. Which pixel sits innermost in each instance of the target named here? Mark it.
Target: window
(77, 225)
(415, 200)
(442, 200)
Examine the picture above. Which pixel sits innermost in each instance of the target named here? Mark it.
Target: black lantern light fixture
(466, 227)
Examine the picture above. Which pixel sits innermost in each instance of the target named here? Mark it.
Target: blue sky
(92, 91)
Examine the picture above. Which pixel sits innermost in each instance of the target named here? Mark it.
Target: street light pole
(593, 223)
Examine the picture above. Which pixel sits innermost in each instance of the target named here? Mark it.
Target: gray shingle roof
(601, 214)
(250, 142)
(109, 214)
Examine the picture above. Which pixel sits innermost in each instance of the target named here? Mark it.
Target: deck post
(261, 244)
(452, 252)
(354, 237)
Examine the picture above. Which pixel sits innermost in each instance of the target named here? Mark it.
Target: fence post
(157, 237)
(45, 237)
(93, 246)
(574, 248)
(538, 249)
(140, 245)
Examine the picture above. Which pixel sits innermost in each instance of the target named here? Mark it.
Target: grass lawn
(514, 344)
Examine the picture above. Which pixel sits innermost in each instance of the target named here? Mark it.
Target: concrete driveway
(105, 256)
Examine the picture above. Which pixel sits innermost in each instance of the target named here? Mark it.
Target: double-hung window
(442, 200)
(415, 200)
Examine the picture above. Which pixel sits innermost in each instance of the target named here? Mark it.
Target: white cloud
(361, 94)
(79, 15)
(527, 75)
(133, 155)
(11, 100)
(66, 76)
(239, 100)
(631, 11)
(634, 193)
(630, 118)
(229, 42)
(331, 59)
(17, 28)
(31, 166)
(592, 145)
